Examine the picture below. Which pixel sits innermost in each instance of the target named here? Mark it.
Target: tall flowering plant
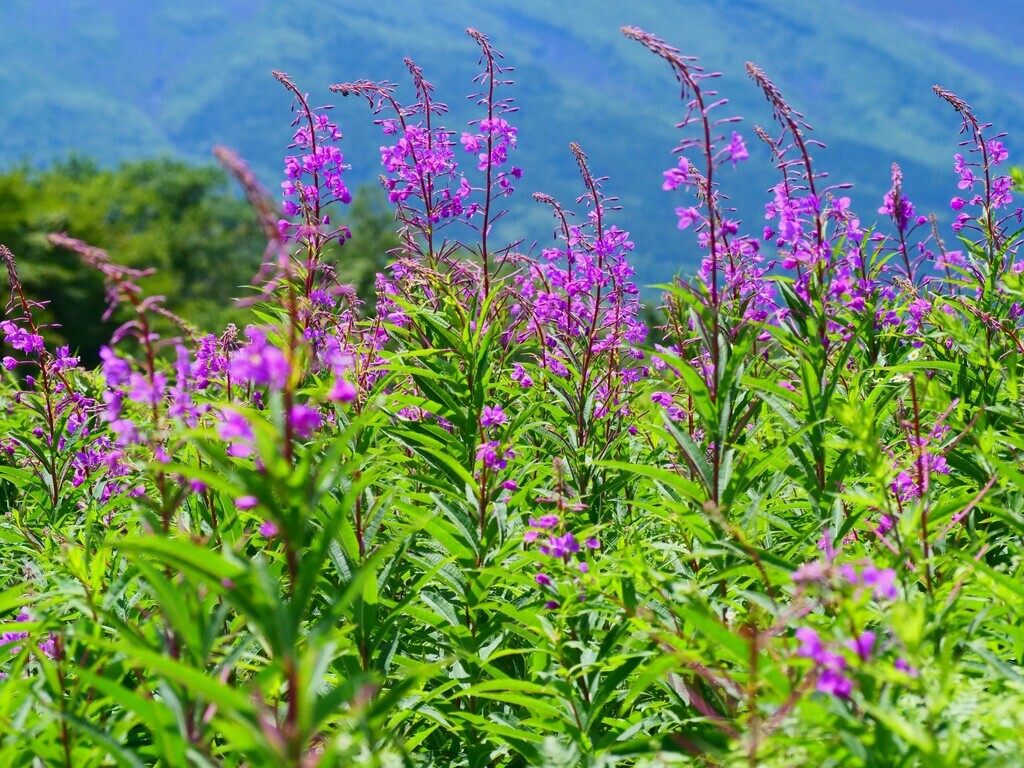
(485, 522)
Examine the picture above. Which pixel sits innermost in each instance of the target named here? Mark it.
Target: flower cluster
(491, 145)
(916, 466)
(732, 270)
(566, 557)
(982, 186)
(421, 164)
(21, 340)
(897, 206)
(580, 303)
(47, 647)
(261, 363)
(880, 582)
(832, 658)
(313, 173)
(830, 661)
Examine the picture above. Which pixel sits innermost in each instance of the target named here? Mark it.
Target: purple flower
(126, 432)
(520, 375)
(557, 367)
(539, 524)
(896, 205)
(830, 665)
(810, 643)
(492, 416)
(737, 149)
(116, 370)
(1001, 188)
(12, 637)
(881, 581)
(21, 339)
(678, 176)
(489, 455)
(997, 152)
(561, 547)
(312, 176)
(246, 502)
(146, 391)
(688, 216)
(343, 391)
(210, 361)
(833, 681)
(64, 360)
(305, 421)
(48, 647)
(260, 362)
(236, 430)
(863, 645)
(182, 405)
(902, 665)
(812, 572)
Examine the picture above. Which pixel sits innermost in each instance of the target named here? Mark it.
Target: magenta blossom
(260, 362)
(305, 421)
(492, 416)
(236, 430)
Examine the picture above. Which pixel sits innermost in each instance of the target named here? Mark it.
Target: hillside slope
(128, 79)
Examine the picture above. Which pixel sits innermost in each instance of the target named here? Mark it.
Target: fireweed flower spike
(979, 169)
(731, 289)
(311, 176)
(422, 175)
(822, 240)
(566, 557)
(491, 145)
(149, 425)
(900, 210)
(798, 205)
(709, 219)
(584, 310)
(420, 165)
(63, 410)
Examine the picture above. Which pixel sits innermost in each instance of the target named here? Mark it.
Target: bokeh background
(87, 86)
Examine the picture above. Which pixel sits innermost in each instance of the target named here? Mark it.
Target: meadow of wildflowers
(497, 520)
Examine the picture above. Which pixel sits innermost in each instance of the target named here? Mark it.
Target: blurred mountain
(123, 79)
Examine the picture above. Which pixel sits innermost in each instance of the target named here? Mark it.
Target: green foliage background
(184, 221)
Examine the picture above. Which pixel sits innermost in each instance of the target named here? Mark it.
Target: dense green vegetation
(202, 241)
(486, 520)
